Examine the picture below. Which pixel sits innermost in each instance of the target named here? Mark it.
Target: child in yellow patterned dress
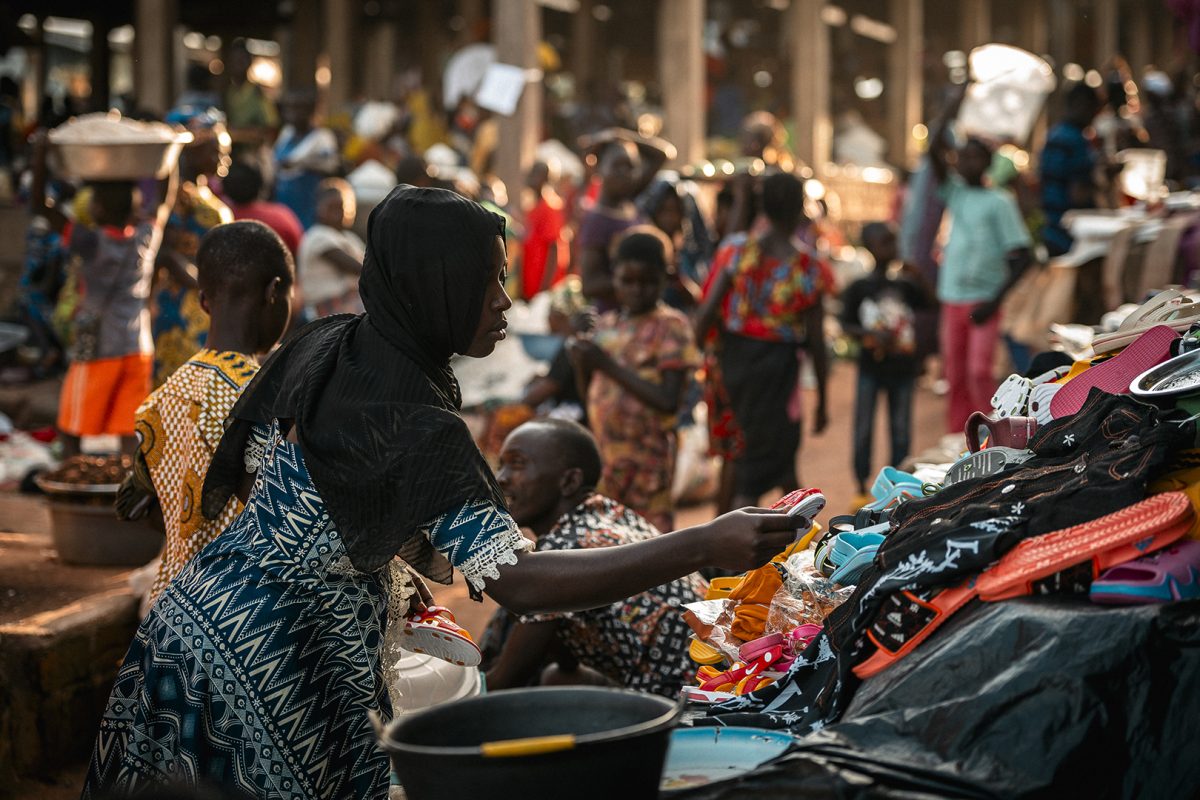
(633, 370)
(245, 275)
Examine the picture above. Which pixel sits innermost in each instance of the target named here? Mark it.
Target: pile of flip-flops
(1135, 555)
(743, 641)
(1095, 554)
(1153, 354)
(760, 663)
(1082, 479)
(1131, 556)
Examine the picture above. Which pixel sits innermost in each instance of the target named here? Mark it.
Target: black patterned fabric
(372, 396)
(642, 642)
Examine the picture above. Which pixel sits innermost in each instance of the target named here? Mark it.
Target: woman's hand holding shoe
(747, 538)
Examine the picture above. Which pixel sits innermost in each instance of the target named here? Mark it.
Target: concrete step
(56, 671)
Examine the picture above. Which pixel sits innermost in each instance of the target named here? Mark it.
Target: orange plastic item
(753, 595)
(719, 588)
(1114, 539)
(752, 683)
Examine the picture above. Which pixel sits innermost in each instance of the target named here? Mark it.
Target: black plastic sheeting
(1049, 696)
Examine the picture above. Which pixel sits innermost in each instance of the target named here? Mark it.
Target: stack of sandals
(846, 551)
(1133, 555)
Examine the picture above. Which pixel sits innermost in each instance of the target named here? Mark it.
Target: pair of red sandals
(1038, 565)
(762, 661)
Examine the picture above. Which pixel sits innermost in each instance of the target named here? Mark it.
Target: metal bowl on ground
(421, 681)
(576, 742)
(85, 528)
(541, 346)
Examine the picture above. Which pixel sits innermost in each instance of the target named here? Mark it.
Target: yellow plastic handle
(533, 746)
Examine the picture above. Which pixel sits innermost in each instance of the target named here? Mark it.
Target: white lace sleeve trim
(477, 538)
(400, 590)
(484, 564)
(256, 446)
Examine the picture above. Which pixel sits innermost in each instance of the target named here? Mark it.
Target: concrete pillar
(304, 43)
(338, 46)
(381, 66)
(976, 22)
(1165, 50)
(681, 74)
(100, 65)
(517, 30)
(33, 88)
(473, 13)
(179, 60)
(1035, 27)
(154, 31)
(583, 48)
(1104, 28)
(809, 39)
(905, 80)
(1062, 34)
(1141, 38)
(430, 41)
(1035, 37)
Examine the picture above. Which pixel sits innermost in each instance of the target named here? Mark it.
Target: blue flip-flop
(851, 552)
(851, 572)
(888, 479)
(899, 493)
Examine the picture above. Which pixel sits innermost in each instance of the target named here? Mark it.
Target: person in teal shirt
(988, 250)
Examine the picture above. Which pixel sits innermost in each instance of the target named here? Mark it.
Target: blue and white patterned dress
(256, 669)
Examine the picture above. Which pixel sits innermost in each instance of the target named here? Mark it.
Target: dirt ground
(32, 579)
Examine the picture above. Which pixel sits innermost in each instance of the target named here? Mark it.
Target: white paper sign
(501, 88)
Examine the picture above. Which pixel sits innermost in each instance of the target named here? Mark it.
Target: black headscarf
(373, 398)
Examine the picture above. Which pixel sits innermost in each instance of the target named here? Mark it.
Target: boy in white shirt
(331, 254)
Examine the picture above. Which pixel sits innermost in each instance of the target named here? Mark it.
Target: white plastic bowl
(422, 681)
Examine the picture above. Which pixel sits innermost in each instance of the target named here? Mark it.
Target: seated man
(548, 471)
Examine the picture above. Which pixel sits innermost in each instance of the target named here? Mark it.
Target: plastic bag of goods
(109, 147)
(1143, 174)
(1009, 89)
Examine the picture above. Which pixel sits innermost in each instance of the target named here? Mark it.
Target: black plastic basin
(533, 743)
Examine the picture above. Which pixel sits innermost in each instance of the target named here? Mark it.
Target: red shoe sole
(943, 605)
(1110, 540)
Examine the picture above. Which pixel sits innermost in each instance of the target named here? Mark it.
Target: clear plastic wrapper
(712, 622)
(806, 596)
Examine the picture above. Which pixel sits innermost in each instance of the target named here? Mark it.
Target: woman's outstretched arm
(573, 580)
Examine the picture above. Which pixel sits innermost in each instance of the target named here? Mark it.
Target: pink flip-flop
(1172, 573)
(757, 647)
(1115, 375)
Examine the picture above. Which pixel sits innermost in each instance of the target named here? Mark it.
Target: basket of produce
(108, 147)
(83, 524)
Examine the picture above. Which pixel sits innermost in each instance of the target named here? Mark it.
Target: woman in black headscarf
(259, 665)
